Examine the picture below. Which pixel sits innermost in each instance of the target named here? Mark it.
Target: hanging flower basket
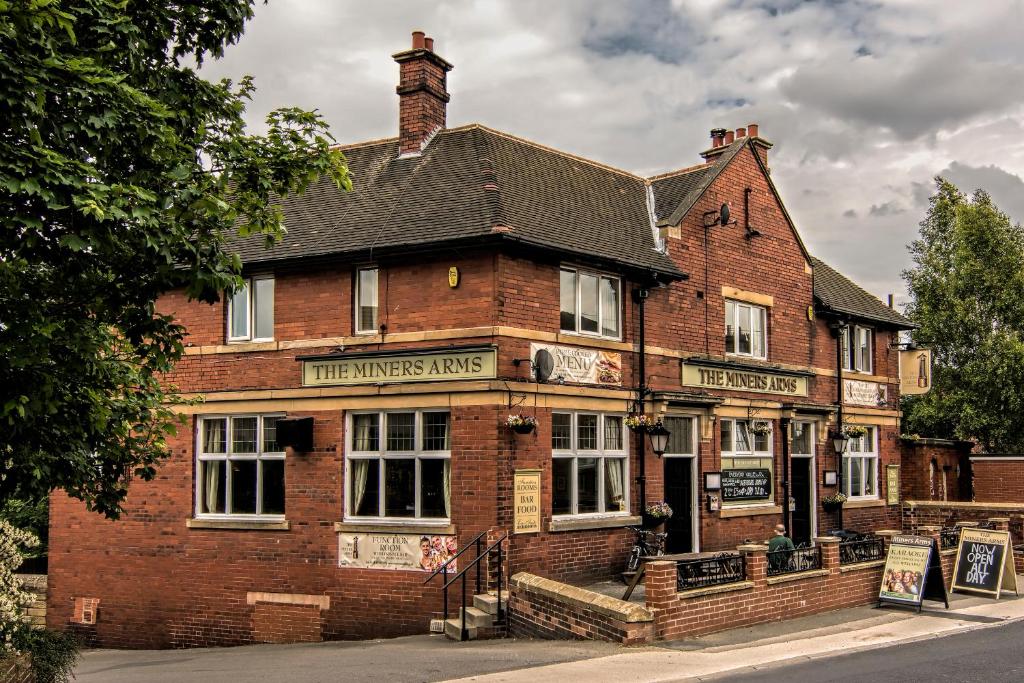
(834, 502)
(638, 422)
(656, 514)
(521, 424)
(761, 427)
(855, 431)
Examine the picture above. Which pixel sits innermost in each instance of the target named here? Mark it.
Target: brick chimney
(422, 93)
(721, 139)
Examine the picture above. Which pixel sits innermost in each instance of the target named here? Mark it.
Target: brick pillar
(829, 553)
(887, 535)
(931, 532)
(660, 584)
(755, 560)
(1002, 523)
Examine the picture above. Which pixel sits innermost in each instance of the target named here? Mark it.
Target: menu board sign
(912, 572)
(583, 366)
(746, 484)
(984, 562)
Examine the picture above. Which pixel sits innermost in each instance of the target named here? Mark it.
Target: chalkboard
(912, 572)
(746, 484)
(984, 562)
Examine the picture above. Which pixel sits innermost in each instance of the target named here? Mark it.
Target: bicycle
(646, 544)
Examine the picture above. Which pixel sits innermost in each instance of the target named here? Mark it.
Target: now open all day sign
(984, 562)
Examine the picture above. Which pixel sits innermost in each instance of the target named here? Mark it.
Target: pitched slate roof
(836, 293)
(672, 190)
(470, 184)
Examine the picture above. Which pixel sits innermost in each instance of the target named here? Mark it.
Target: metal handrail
(477, 560)
(463, 630)
(444, 567)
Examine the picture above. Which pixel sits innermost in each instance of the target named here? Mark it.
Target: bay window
(747, 462)
(860, 466)
(251, 311)
(589, 465)
(398, 465)
(590, 303)
(239, 467)
(745, 330)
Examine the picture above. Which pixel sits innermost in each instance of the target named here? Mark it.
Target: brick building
(406, 319)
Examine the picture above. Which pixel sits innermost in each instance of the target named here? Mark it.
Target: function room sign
(420, 366)
(415, 552)
(743, 379)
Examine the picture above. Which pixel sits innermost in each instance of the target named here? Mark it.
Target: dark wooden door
(801, 516)
(679, 496)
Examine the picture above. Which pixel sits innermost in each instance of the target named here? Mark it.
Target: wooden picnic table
(673, 557)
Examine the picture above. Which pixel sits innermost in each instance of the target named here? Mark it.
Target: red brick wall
(285, 623)
(998, 480)
(920, 479)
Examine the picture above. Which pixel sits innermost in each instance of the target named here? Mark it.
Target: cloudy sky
(866, 101)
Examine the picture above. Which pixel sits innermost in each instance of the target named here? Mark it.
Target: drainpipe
(839, 414)
(640, 297)
(786, 458)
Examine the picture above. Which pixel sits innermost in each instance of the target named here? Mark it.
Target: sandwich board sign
(912, 573)
(984, 562)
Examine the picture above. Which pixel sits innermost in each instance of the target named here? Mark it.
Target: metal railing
(496, 548)
(792, 561)
(866, 548)
(714, 571)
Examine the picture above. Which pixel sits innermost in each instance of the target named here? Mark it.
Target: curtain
(213, 436)
(364, 437)
(447, 488)
(212, 484)
(360, 469)
(614, 469)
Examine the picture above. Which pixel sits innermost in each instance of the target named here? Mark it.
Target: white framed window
(745, 452)
(802, 439)
(682, 438)
(591, 303)
(251, 310)
(239, 467)
(857, 355)
(860, 466)
(589, 465)
(745, 330)
(398, 465)
(367, 301)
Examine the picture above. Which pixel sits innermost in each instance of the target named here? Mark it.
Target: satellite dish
(543, 365)
(723, 214)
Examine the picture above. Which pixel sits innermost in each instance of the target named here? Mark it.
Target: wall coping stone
(593, 523)
(321, 601)
(752, 548)
(713, 590)
(871, 564)
(1017, 507)
(827, 539)
(798, 576)
(33, 582)
(621, 610)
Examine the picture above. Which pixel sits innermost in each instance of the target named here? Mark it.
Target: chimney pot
(418, 38)
(741, 133)
(422, 94)
(429, 43)
(728, 138)
(716, 137)
(752, 130)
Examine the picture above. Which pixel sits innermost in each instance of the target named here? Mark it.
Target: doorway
(802, 477)
(679, 494)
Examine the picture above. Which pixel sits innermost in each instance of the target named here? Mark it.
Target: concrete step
(488, 602)
(453, 629)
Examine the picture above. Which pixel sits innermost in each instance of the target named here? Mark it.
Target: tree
(967, 289)
(122, 175)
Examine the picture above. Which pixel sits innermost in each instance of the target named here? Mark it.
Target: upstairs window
(367, 319)
(590, 303)
(857, 355)
(745, 330)
(251, 311)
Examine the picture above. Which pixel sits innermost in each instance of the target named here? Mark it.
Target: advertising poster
(527, 502)
(865, 393)
(583, 366)
(906, 568)
(984, 562)
(414, 552)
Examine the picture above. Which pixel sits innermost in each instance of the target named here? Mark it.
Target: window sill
(584, 523)
(615, 343)
(238, 524)
(393, 528)
(865, 503)
(750, 511)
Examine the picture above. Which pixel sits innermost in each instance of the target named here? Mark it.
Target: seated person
(779, 542)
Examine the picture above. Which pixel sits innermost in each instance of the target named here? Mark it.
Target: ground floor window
(860, 465)
(398, 465)
(239, 467)
(747, 462)
(589, 464)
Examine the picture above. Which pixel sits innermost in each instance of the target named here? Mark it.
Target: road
(990, 655)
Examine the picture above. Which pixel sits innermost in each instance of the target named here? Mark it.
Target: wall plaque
(757, 381)
(863, 393)
(421, 367)
(526, 502)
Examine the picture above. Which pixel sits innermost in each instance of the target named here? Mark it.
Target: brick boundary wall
(36, 584)
(543, 608)
(998, 479)
(918, 514)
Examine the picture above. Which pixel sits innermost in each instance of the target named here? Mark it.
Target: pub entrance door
(679, 494)
(802, 478)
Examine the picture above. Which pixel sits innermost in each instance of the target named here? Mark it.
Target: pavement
(737, 652)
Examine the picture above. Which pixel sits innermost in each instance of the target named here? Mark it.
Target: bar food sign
(527, 502)
(583, 366)
(746, 484)
(743, 380)
(396, 551)
(421, 367)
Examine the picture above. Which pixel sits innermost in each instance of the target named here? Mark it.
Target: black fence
(714, 571)
(861, 549)
(792, 561)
